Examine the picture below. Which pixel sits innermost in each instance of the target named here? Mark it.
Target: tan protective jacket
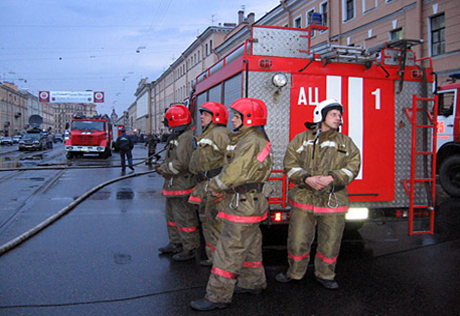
(179, 181)
(330, 153)
(208, 155)
(248, 161)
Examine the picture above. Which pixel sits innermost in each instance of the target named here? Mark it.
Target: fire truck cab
(448, 143)
(388, 104)
(89, 135)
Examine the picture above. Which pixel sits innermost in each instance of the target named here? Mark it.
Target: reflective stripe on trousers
(182, 222)
(237, 259)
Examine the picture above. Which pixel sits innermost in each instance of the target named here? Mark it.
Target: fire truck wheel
(69, 155)
(449, 175)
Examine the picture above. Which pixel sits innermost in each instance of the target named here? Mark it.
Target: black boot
(283, 277)
(171, 248)
(185, 255)
(205, 305)
(328, 284)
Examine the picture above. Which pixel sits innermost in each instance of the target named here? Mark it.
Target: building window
(349, 10)
(323, 9)
(438, 35)
(396, 34)
(298, 22)
(310, 20)
(210, 47)
(369, 5)
(207, 53)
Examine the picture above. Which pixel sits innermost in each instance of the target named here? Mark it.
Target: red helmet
(254, 111)
(219, 112)
(177, 115)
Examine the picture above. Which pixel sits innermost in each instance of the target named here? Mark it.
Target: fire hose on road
(50, 220)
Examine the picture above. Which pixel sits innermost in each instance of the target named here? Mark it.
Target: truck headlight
(279, 80)
(357, 213)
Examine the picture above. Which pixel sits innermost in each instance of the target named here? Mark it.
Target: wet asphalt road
(102, 259)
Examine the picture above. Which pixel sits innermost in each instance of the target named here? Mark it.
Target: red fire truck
(448, 152)
(89, 135)
(390, 113)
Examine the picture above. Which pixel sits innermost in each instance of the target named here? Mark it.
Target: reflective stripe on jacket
(248, 160)
(178, 179)
(329, 153)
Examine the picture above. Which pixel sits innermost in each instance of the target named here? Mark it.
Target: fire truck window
(446, 104)
(88, 125)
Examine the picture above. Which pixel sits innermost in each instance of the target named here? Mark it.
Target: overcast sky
(78, 45)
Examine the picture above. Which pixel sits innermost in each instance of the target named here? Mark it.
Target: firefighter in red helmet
(181, 216)
(206, 163)
(321, 162)
(237, 261)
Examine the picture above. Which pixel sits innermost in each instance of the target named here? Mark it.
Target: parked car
(33, 141)
(58, 138)
(6, 141)
(16, 138)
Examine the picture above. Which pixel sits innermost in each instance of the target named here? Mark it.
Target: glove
(163, 174)
(159, 171)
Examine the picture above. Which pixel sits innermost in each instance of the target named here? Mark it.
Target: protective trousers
(237, 259)
(213, 227)
(302, 227)
(151, 152)
(182, 223)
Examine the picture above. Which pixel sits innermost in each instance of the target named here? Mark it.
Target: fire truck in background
(118, 129)
(89, 135)
(390, 113)
(448, 149)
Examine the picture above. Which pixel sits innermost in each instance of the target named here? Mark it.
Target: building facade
(369, 23)
(175, 84)
(62, 113)
(13, 111)
(143, 120)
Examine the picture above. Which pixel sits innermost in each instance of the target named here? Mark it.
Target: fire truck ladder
(429, 179)
(345, 54)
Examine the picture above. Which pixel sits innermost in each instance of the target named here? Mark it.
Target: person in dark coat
(125, 145)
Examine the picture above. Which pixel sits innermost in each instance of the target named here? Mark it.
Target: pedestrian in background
(49, 140)
(181, 216)
(321, 162)
(151, 143)
(237, 261)
(206, 163)
(125, 146)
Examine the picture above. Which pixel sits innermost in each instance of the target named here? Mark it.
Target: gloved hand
(163, 174)
(159, 171)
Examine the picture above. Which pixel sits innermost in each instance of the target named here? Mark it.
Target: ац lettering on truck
(89, 135)
(388, 114)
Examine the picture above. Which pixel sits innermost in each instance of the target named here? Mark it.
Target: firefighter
(321, 162)
(151, 143)
(181, 216)
(125, 145)
(206, 163)
(237, 261)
